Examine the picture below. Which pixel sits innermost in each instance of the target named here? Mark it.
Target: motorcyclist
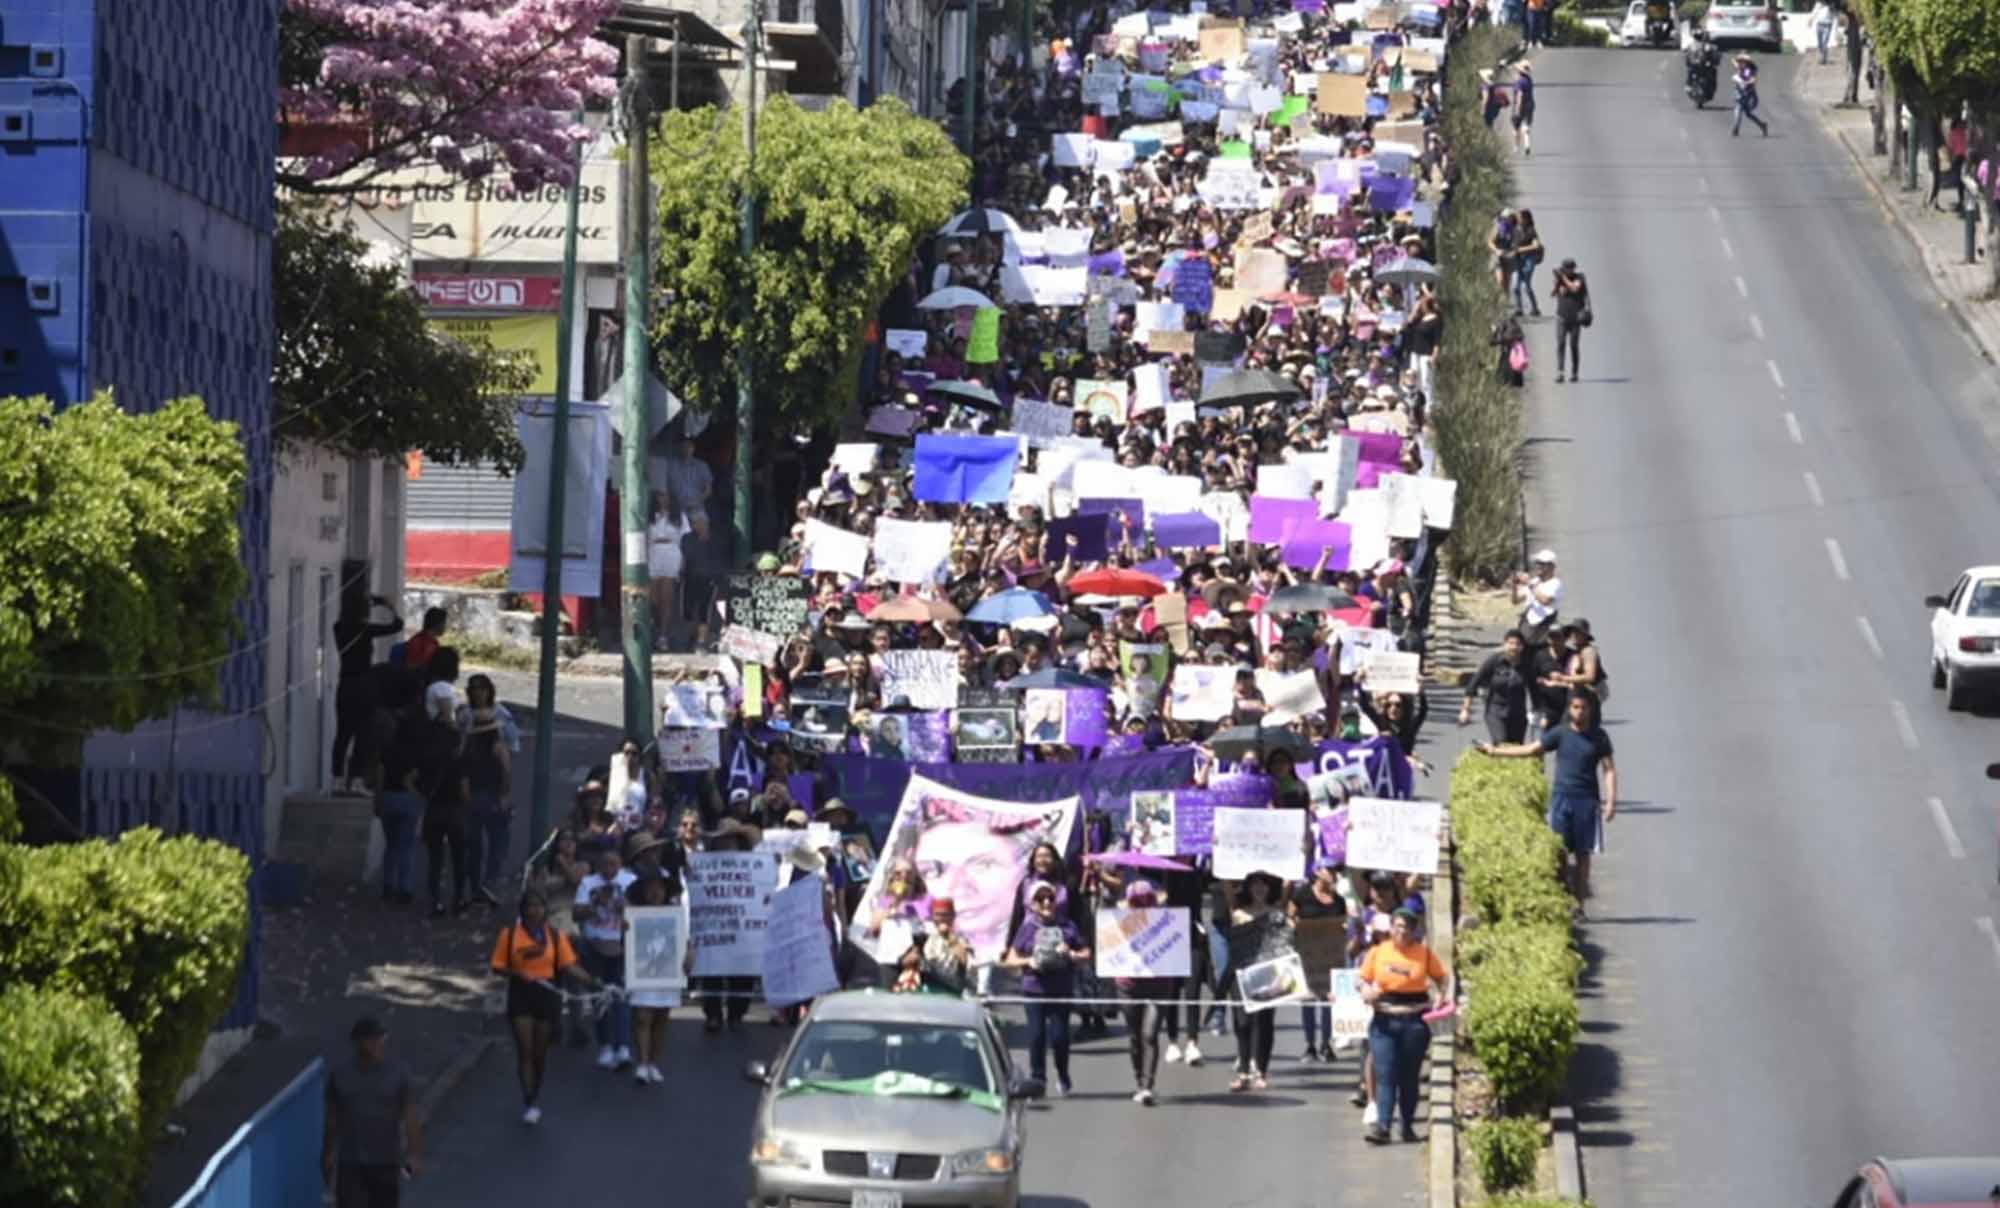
(1704, 61)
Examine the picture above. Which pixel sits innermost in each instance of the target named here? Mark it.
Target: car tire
(1956, 694)
(1937, 674)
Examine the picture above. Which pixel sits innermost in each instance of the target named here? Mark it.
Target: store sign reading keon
(475, 292)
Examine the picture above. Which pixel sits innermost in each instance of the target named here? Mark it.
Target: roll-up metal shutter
(473, 498)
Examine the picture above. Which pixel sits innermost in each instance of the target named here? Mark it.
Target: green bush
(10, 813)
(69, 1101)
(1504, 1152)
(1539, 950)
(1568, 29)
(152, 927)
(1508, 856)
(1523, 1027)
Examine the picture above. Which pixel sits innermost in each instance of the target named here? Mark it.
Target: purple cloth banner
(1296, 527)
(1107, 264)
(1194, 812)
(1093, 538)
(1084, 723)
(874, 787)
(1185, 530)
(1381, 756)
(1388, 194)
(1133, 512)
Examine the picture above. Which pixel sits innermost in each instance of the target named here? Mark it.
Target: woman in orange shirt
(1396, 978)
(531, 955)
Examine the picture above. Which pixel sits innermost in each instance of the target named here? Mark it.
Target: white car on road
(1965, 635)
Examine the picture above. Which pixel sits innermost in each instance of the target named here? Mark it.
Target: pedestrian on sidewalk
(1822, 23)
(373, 1136)
(1573, 314)
(489, 786)
(1746, 96)
(1851, 17)
(1540, 597)
(1528, 253)
(1957, 140)
(1582, 749)
(1524, 110)
(532, 955)
(1397, 977)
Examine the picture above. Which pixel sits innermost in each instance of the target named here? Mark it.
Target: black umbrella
(1308, 597)
(1247, 388)
(1232, 744)
(1056, 677)
(972, 394)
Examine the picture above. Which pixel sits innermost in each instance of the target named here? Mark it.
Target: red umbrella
(1116, 581)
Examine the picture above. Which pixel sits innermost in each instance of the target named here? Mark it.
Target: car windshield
(1985, 599)
(854, 1055)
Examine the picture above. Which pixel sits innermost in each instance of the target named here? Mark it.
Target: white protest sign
(1170, 493)
(1440, 501)
(1105, 81)
(1293, 480)
(1351, 1013)
(1112, 156)
(1072, 150)
(906, 342)
(1179, 413)
(1232, 184)
(1254, 840)
(1403, 499)
(1144, 942)
(690, 750)
(1149, 317)
(835, 549)
(1366, 514)
(729, 901)
(1393, 671)
(911, 551)
(1296, 692)
(1066, 247)
(798, 956)
(1149, 387)
(928, 678)
(1202, 693)
(694, 705)
(749, 645)
(1042, 422)
(855, 458)
(1028, 490)
(1051, 286)
(1227, 509)
(1391, 836)
(1357, 646)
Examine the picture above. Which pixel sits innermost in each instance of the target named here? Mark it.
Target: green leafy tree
(843, 197)
(357, 370)
(118, 535)
(1948, 48)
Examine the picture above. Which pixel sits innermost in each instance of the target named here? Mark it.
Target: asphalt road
(1780, 445)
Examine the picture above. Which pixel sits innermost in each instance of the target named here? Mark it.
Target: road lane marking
(1945, 828)
(1812, 489)
(1728, 252)
(1868, 636)
(1684, 134)
(1776, 377)
(1757, 326)
(1985, 925)
(1742, 287)
(1792, 426)
(1714, 215)
(1834, 556)
(1904, 730)
(1702, 184)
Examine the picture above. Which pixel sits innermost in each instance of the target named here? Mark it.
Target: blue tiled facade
(138, 143)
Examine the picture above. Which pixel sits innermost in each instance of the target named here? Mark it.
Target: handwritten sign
(922, 679)
(749, 645)
(798, 959)
(1393, 836)
(1392, 671)
(729, 903)
(690, 750)
(1144, 942)
(1271, 841)
(773, 604)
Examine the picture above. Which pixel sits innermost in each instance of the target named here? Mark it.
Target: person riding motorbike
(1703, 61)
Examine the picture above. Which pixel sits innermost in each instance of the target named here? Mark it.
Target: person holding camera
(1572, 316)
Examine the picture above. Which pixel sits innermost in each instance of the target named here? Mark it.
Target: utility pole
(746, 361)
(552, 554)
(636, 604)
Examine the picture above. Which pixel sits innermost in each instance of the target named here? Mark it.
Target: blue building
(137, 151)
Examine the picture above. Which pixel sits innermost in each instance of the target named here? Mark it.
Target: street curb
(441, 1087)
(1443, 1142)
(1568, 1153)
(1989, 349)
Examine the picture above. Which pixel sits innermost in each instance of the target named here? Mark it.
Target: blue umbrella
(1014, 604)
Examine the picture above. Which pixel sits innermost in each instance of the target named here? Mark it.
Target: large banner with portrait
(973, 850)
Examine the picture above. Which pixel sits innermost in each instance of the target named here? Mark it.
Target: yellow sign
(529, 338)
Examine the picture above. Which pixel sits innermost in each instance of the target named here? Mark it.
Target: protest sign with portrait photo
(819, 715)
(656, 947)
(985, 728)
(1152, 824)
(1269, 983)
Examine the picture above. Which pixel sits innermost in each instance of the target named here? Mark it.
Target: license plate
(878, 1199)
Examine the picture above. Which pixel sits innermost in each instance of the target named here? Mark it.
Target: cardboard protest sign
(963, 469)
(1256, 840)
(1144, 942)
(911, 551)
(729, 904)
(690, 750)
(1266, 985)
(1394, 836)
(1202, 693)
(1393, 671)
(979, 848)
(919, 679)
(1260, 271)
(798, 957)
(1222, 43)
(1342, 95)
(1170, 343)
(1322, 947)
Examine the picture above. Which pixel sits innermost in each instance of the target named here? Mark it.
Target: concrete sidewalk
(1938, 236)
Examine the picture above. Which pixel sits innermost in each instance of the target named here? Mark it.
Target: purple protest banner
(1128, 515)
(1093, 538)
(1389, 194)
(874, 787)
(801, 785)
(1163, 569)
(1194, 285)
(1194, 823)
(1380, 757)
(1119, 746)
(1185, 530)
(1332, 835)
(1274, 520)
(1084, 723)
(1303, 548)
(1107, 264)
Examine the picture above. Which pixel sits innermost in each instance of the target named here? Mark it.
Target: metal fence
(272, 1160)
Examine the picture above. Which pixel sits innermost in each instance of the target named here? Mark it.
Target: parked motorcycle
(1703, 61)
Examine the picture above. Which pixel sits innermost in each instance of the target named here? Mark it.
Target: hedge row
(69, 1100)
(149, 929)
(1514, 954)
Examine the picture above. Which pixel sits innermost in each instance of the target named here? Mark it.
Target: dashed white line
(1742, 286)
(1839, 561)
(1812, 490)
(1992, 934)
(1951, 844)
(1757, 326)
(1777, 378)
(1714, 215)
(1702, 185)
(1728, 251)
(1792, 429)
(1904, 730)
(1868, 636)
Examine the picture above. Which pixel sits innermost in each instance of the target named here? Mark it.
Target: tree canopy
(471, 86)
(1948, 48)
(843, 196)
(119, 537)
(356, 369)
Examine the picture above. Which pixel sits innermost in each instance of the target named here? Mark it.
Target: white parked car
(1632, 30)
(1965, 635)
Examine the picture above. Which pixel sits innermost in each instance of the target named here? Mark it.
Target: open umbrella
(1056, 677)
(1232, 744)
(972, 394)
(1308, 597)
(1409, 272)
(1011, 606)
(952, 297)
(915, 609)
(980, 222)
(1136, 859)
(1116, 581)
(1248, 387)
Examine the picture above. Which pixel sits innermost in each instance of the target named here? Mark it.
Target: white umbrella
(951, 297)
(980, 222)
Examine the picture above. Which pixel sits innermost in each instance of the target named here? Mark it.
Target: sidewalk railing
(274, 1158)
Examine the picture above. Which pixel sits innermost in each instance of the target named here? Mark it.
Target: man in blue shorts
(1581, 748)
